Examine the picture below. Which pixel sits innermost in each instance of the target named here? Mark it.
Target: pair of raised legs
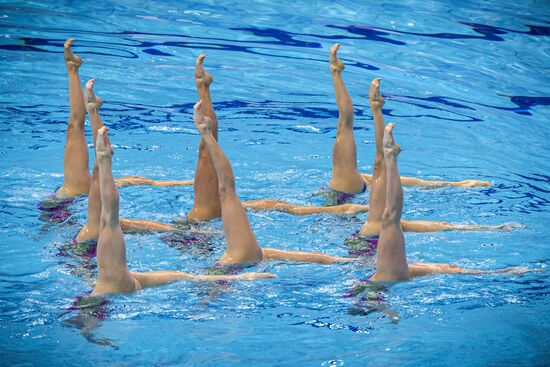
(242, 246)
(113, 273)
(346, 177)
(92, 227)
(207, 203)
(76, 178)
(391, 258)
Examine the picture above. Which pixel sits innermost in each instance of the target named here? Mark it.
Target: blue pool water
(466, 83)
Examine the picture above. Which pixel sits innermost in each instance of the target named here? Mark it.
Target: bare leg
(301, 256)
(114, 276)
(160, 277)
(434, 226)
(207, 201)
(345, 177)
(304, 210)
(429, 226)
(377, 199)
(242, 246)
(427, 184)
(75, 158)
(391, 259)
(147, 226)
(420, 269)
(91, 229)
(142, 181)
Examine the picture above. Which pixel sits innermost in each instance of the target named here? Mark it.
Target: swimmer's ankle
(72, 61)
(202, 78)
(375, 98)
(336, 66)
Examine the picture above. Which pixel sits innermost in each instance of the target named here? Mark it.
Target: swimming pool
(467, 85)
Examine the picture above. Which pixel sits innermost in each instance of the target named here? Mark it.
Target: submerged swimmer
(242, 246)
(113, 273)
(206, 198)
(206, 203)
(76, 174)
(377, 201)
(391, 259)
(92, 227)
(345, 177)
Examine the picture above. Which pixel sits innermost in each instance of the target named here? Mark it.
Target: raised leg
(207, 201)
(91, 229)
(75, 157)
(345, 177)
(242, 246)
(391, 259)
(377, 199)
(113, 273)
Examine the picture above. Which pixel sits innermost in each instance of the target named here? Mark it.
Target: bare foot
(517, 270)
(202, 78)
(202, 123)
(390, 148)
(93, 103)
(71, 60)
(336, 66)
(509, 226)
(375, 97)
(103, 146)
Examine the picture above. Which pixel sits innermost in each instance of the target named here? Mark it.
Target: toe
(201, 58)
(90, 84)
(68, 42)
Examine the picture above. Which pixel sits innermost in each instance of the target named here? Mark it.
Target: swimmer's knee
(378, 162)
(226, 188)
(389, 216)
(76, 119)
